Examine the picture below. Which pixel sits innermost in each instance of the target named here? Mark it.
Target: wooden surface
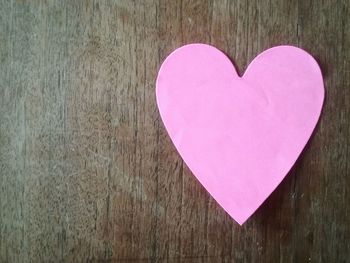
(87, 171)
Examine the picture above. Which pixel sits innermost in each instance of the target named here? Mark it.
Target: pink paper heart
(239, 135)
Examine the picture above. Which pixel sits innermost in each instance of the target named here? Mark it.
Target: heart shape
(239, 136)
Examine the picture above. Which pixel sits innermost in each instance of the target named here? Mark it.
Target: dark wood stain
(87, 171)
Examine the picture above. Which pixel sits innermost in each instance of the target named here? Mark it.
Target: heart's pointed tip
(240, 221)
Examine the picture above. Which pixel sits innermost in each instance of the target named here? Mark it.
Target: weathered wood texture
(87, 171)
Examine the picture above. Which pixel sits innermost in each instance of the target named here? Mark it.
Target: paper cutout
(239, 135)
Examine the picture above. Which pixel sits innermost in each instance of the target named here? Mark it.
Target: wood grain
(87, 171)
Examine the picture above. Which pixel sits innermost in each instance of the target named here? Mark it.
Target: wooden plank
(87, 170)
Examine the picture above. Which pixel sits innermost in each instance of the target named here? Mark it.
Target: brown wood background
(87, 171)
